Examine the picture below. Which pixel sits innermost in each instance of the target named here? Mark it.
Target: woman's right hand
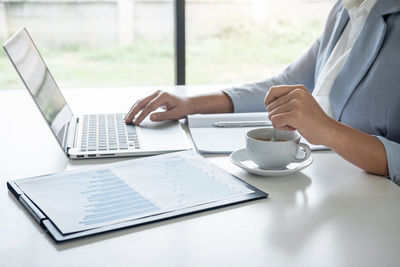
(175, 108)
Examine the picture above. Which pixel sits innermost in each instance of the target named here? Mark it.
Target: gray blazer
(366, 93)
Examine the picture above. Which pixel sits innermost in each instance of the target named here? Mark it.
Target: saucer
(242, 159)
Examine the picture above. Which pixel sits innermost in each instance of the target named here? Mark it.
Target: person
(343, 92)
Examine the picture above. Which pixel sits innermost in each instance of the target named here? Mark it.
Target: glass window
(102, 43)
(111, 43)
(239, 41)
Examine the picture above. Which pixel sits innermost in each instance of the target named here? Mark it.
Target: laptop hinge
(71, 134)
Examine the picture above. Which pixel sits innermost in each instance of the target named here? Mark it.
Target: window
(239, 41)
(87, 43)
(111, 43)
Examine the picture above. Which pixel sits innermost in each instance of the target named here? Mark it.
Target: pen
(241, 123)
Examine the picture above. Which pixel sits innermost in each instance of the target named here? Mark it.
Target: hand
(292, 107)
(176, 108)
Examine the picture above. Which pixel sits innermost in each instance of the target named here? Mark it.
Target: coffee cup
(275, 149)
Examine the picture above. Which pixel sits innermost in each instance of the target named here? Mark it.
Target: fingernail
(153, 116)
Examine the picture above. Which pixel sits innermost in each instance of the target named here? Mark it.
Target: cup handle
(307, 151)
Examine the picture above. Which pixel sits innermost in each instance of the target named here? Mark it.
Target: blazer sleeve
(250, 97)
(393, 158)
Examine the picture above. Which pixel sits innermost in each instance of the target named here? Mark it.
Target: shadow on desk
(123, 231)
(82, 163)
(287, 185)
(292, 209)
(19, 206)
(141, 228)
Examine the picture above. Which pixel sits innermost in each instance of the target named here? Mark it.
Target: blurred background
(114, 43)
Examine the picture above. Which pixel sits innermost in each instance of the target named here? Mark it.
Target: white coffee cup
(275, 154)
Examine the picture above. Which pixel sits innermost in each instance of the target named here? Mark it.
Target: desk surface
(330, 214)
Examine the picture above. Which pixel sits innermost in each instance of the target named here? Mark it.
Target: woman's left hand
(292, 107)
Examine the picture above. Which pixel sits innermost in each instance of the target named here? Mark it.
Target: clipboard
(49, 223)
(230, 137)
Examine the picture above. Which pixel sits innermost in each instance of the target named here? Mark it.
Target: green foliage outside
(240, 53)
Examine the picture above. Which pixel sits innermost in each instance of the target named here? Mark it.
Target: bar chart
(111, 199)
(125, 191)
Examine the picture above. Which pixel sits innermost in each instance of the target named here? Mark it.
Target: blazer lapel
(362, 55)
(342, 19)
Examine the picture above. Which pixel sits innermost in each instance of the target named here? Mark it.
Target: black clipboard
(46, 223)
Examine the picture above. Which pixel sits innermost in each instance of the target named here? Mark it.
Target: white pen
(241, 123)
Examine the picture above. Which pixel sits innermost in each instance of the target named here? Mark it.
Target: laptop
(90, 135)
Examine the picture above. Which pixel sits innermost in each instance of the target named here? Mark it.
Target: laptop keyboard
(107, 132)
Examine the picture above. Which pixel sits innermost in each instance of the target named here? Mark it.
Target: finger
(279, 101)
(131, 114)
(284, 121)
(280, 90)
(151, 106)
(291, 105)
(297, 93)
(138, 106)
(172, 114)
(287, 128)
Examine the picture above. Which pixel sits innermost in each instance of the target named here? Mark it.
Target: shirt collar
(357, 8)
(349, 4)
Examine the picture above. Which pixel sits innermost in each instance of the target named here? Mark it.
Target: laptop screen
(37, 79)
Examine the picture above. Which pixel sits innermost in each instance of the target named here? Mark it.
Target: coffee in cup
(275, 149)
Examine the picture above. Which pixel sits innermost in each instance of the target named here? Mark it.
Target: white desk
(330, 214)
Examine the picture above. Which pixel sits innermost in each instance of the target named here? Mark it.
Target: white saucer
(241, 158)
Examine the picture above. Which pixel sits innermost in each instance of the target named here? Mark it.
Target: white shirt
(358, 12)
